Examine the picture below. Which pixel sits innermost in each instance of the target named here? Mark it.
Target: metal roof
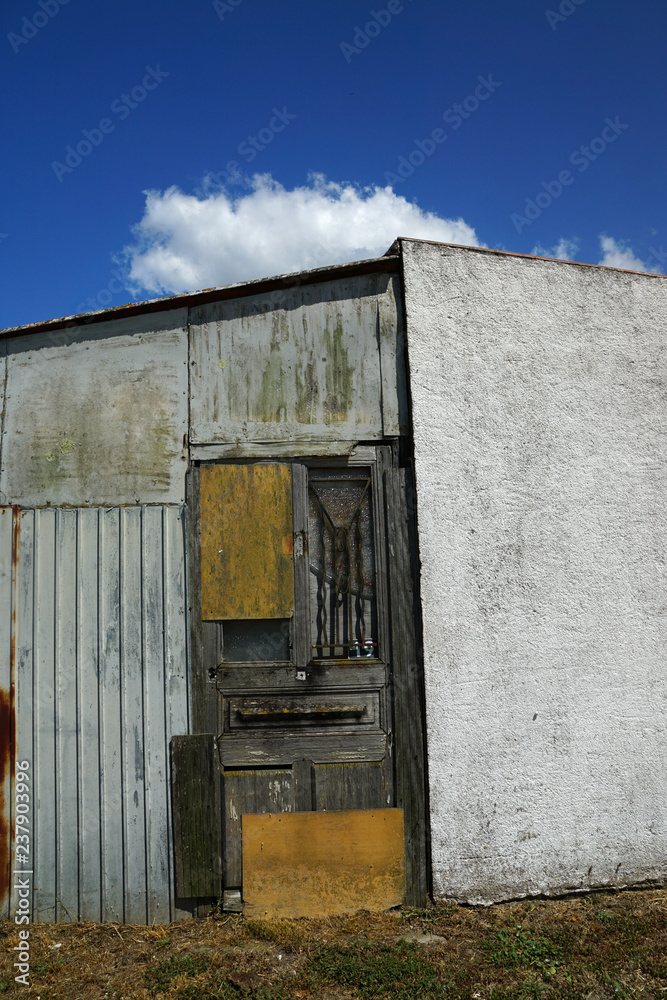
(388, 262)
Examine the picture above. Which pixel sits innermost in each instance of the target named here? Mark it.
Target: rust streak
(5, 765)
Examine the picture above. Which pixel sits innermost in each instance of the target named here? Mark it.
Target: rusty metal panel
(101, 686)
(97, 415)
(297, 364)
(321, 864)
(246, 541)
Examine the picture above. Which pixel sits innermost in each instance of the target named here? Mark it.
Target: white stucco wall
(539, 394)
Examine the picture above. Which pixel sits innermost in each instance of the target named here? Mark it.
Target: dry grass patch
(594, 947)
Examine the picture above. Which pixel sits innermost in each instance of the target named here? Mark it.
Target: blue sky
(280, 136)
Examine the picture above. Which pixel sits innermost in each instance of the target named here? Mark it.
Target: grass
(399, 971)
(597, 947)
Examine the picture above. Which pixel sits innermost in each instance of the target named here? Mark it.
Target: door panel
(252, 791)
(313, 732)
(351, 786)
(246, 541)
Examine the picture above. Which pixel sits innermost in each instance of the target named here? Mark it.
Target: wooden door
(298, 644)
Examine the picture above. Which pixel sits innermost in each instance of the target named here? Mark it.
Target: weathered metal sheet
(391, 340)
(296, 364)
(246, 541)
(101, 686)
(321, 864)
(8, 543)
(97, 415)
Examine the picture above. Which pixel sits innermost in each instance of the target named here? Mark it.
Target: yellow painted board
(246, 541)
(319, 864)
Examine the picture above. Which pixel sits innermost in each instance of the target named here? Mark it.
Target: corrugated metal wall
(101, 685)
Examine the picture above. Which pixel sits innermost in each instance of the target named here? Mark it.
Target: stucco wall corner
(539, 425)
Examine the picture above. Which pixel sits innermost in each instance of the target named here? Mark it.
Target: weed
(398, 972)
(160, 976)
(38, 970)
(4, 985)
(518, 947)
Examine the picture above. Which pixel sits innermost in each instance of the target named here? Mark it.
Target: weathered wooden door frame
(403, 617)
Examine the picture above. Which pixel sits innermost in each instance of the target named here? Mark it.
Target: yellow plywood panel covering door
(246, 541)
(319, 864)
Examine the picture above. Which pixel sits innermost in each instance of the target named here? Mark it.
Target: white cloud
(564, 250)
(617, 254)
(184, 242)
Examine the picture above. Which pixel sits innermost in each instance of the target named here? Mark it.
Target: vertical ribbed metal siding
(8, 524)
(101, 686)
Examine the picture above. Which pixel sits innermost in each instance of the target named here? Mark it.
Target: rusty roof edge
(400, 240)
(388, 262)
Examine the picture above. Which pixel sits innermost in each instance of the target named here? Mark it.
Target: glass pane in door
(343, 602)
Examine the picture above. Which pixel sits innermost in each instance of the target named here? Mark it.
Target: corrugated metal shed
(101, 685)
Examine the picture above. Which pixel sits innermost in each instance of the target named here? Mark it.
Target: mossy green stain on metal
(272, 397)
(306, 393)
(339, 398)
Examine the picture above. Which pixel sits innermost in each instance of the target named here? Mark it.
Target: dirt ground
(596, 946)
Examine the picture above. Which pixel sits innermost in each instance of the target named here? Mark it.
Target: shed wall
(97, 414)
(314, 363)
(538, 391)
(101, 685)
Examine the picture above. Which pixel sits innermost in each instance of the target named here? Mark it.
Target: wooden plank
(349, 786)
(302, 771)
(304, 710)
(246, 541)
(381, 571)
(66, 825)
(320, 745)
(255, 791)
(203, 705)
(321, 864)
(195, 789)
(301, 642)
(319, 678)
(89, 733)
(410, 757)
(304, 448)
